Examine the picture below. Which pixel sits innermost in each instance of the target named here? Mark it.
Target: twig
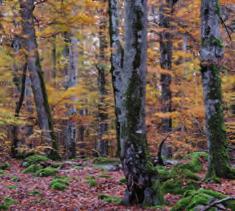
(218, 202)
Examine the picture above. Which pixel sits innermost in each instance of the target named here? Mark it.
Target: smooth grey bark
(211, 56)
(71, 54)
(142, 180)
(117, 54)
(36, 76)
(166, 63)
(102, 144)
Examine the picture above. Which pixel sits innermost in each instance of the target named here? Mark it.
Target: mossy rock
(110, 199)
(196, 198)
(195, 164)
(91, 181)
(48, 171)
(34, 159)
(7, 203)
(60, 183)
(32, 169)
(4, 166)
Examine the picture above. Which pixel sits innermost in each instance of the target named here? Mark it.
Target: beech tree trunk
(142, 181)
(71, 54)
(166, 63)
(36, 75)
(102, 144)
(116, 63)
(211, 55)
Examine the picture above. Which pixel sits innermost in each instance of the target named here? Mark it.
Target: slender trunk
(54, 59)
(72, 77)
(142, 181)
(116, 63)
(102, 144)
(211, 55)
(166, 63)
(36, 76)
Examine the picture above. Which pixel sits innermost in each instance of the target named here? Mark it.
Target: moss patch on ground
(194, 199)
(45, 172)
(110, 199)
(7, 203)
(182, 177)
(60, 183)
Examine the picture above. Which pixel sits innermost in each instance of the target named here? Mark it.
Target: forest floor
(87, 184)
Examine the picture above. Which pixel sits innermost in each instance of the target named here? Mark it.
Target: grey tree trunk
(72, 79)
(102, 144)
(211, 55)
(36, 76)
(117, 54)
(142, 181)
(166, 63)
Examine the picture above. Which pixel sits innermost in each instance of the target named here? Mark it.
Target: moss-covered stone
(32, 169)
(7, 203)
(195, 198)
(5, 166)
(48, 171)
(60, 183)
(91, 181)
(110, 199)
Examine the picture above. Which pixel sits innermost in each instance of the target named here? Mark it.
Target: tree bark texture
(166, 63)
(71, 54)
(116, 63)
(36, 75)
(142, 181)
(211, 55)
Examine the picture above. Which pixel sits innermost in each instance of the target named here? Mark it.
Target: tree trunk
(116, 63)
(36, 75)
(142, 181)
(211, 55)
(102, 144)
(166, 63)
(72, 79)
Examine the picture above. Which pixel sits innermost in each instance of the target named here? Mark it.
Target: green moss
(5, 166)
(110, 199)
(91, 181)
(35, 192)
(12, 187)
(15, 179)
(123, 181)
(35, 159)
(32, 169)
(60, 183)
(48, 171)
(7, 203)
(194, 198)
